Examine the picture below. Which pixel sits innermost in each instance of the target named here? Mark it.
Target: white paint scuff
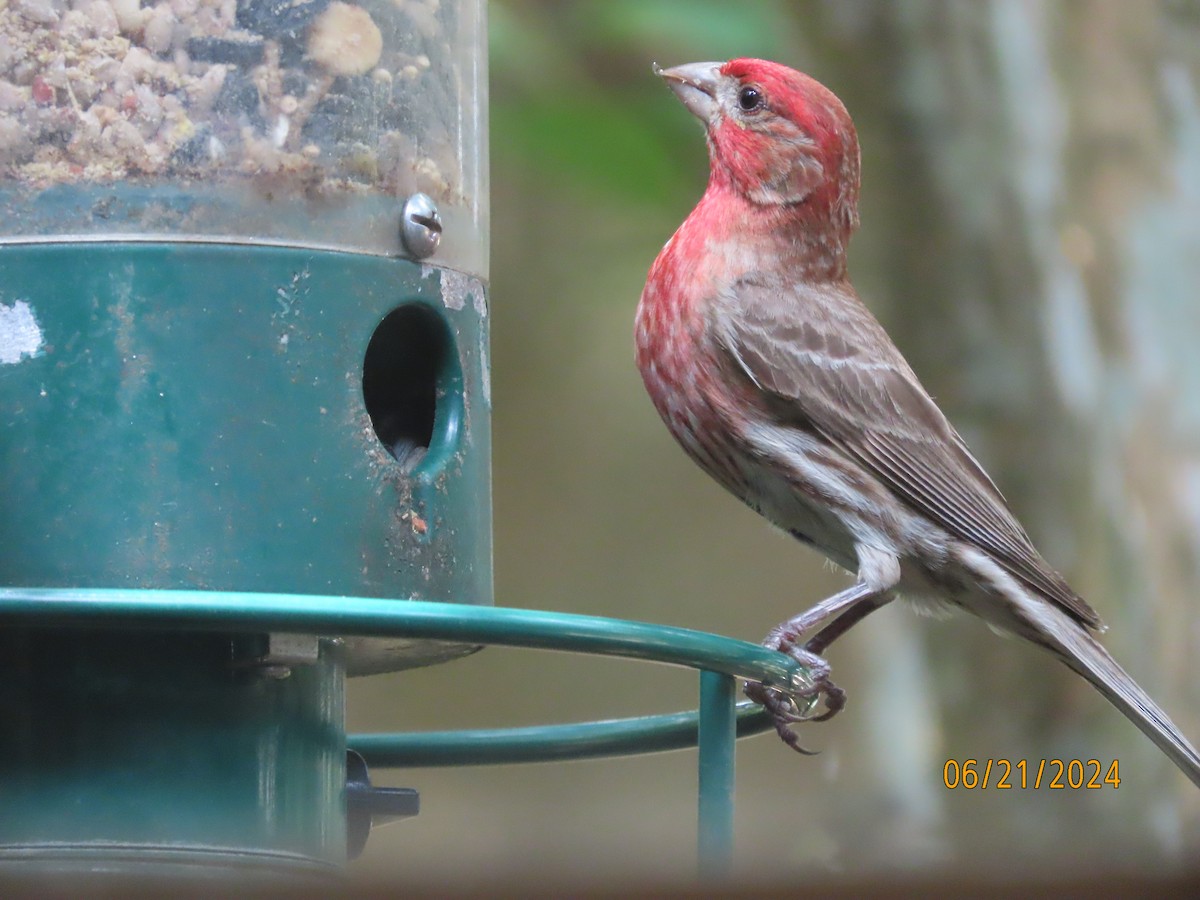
(20, 335)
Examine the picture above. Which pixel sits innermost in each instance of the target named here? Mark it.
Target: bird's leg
(788, 637)
(843, 623)
(835, 697)
(805, 636)
(823, 616)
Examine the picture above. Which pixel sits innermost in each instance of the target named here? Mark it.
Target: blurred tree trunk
(1031, 238)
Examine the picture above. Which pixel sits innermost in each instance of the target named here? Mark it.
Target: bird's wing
(826, 363)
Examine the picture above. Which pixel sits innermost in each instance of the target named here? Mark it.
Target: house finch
(779, 383)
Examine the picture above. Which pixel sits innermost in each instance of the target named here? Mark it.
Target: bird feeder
(243, 349)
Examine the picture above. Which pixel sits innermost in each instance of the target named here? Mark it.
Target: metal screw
(420, 226)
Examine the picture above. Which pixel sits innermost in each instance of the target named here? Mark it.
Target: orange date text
(1030, 774)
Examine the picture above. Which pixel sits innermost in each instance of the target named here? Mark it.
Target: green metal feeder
(243, 347)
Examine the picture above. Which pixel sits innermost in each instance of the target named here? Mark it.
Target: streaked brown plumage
(774, 377)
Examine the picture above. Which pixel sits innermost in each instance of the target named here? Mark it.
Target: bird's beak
(696, 85)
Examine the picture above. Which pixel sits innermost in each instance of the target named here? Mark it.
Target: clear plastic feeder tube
(283, 122)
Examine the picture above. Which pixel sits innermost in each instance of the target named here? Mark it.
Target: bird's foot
(791, 707)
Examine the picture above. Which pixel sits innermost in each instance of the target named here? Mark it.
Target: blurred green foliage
(572, 91)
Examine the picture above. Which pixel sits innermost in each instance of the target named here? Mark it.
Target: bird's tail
(1014, 608)
(1087, 656)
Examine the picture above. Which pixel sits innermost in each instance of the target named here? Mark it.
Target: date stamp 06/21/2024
(1030, 774)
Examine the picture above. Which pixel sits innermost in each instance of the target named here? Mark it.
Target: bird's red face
(777, 136)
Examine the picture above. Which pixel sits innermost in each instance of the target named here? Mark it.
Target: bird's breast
(722, 422)
(681, 373)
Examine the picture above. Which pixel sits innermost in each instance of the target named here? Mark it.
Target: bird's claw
(791, 707)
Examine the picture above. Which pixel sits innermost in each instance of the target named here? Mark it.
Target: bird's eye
(750, 98)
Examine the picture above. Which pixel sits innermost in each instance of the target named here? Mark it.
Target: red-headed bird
(778, 382)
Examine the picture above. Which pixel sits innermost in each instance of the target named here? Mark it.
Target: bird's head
(776, 136)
